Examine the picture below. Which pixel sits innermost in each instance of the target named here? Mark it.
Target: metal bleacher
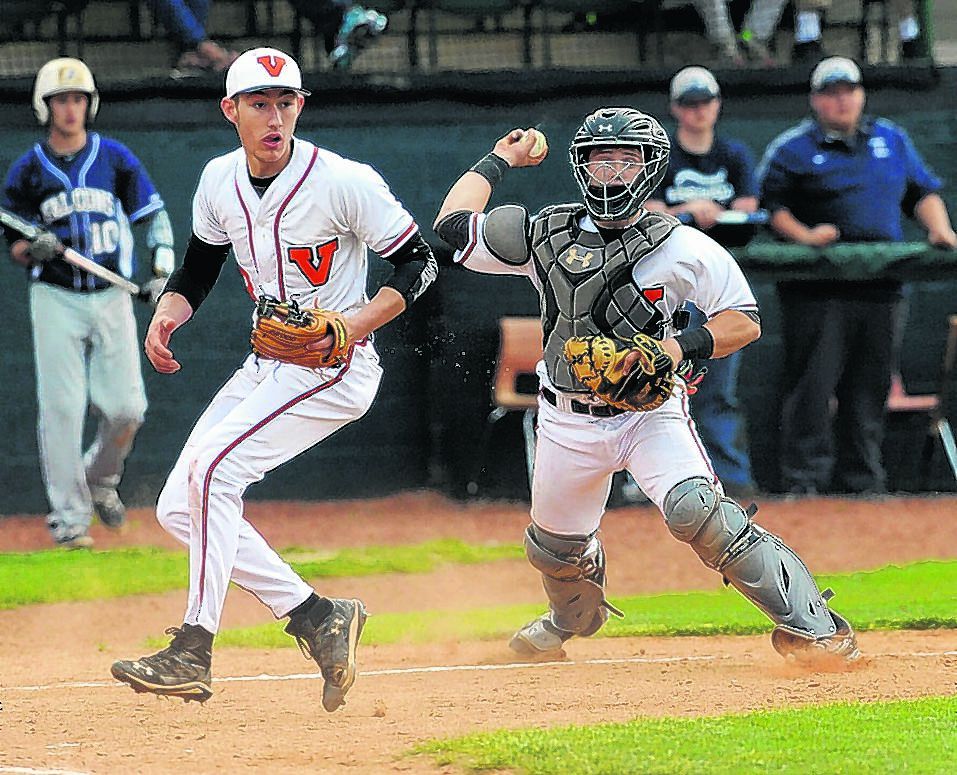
(424, 36)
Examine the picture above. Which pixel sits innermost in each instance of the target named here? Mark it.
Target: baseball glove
(598, 361)
(283, 330)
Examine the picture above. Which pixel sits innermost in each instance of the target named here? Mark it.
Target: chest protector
(587, 286)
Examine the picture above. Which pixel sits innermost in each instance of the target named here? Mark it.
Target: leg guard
(573, 574)
(756, 563)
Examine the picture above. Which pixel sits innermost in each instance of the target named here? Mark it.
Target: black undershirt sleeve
(415, 269)
(199, 272)
(453, 229)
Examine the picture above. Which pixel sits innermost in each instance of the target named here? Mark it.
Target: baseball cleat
(540, 639)
(80, 541)
(182, 669)
(830, 651)
(332, 643)
(108, 507)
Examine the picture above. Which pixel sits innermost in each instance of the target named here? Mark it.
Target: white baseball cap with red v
(263, 68)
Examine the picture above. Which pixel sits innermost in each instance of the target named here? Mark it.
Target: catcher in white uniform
(298, 219)
(615, 378)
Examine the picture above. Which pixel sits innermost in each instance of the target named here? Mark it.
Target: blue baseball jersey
(88, 199)
(862, 184)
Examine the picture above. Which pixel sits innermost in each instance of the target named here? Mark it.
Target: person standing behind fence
(809, 21)
(345, 27)
(707, 175)
(85, 190)
(185, 23)
(842, 176)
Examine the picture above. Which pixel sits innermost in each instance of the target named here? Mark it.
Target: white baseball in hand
(539, 146)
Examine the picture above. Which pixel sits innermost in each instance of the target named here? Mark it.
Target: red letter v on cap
(273, 64)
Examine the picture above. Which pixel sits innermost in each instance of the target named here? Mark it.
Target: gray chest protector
(587, 286)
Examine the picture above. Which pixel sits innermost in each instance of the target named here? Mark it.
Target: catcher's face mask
(618, 157)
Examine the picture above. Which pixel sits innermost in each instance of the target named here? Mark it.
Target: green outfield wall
(423, 429)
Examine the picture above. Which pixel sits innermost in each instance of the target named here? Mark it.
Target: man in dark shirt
(842, 176)
(709, 175)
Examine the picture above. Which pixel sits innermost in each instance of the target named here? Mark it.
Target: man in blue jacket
(842, 176)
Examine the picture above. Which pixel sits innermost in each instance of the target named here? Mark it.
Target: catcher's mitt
(598, 361)
(283, 330)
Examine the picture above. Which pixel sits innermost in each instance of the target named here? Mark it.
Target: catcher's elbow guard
(506, 234)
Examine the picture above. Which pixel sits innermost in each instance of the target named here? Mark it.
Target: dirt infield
(62, 712)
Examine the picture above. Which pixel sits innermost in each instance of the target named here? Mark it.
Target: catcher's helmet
(617, 199)
(63, 75)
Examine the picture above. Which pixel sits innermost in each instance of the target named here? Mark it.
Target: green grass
(918, 596)
(56, 576)
(914, 736)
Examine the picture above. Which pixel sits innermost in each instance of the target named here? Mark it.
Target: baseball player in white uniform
(609, 267)
(299, 220)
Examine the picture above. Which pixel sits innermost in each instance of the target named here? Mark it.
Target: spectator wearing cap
(707, 176)
(842, 176)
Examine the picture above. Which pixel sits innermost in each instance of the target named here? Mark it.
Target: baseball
(540, 146)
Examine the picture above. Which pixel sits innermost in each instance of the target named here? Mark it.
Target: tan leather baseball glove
(598, 363)
(283, 330)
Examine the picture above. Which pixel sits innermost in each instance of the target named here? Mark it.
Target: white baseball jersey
(687, 266)
(306, 238)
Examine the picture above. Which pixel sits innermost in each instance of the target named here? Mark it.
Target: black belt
(600, 410)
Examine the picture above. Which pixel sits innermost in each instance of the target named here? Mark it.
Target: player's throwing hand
(522, 148)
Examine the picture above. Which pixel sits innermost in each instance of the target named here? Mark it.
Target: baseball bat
(732, 218)
(30, 231)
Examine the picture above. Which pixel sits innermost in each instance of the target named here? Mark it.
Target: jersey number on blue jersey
(104, 237)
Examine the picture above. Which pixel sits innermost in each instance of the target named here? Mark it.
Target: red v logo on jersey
(272, 64)
(315, 262)
(653, 294)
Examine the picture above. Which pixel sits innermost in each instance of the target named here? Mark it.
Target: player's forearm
(789, 227)
(732, 330)
(385, 306)
(470, 192)
(932, 213)
(174, 306)
(159, 239)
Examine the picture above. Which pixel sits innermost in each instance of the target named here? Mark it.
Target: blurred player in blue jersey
(84, 190)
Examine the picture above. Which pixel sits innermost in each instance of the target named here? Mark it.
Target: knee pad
(698, 515)
(573, 574)
(758, 564)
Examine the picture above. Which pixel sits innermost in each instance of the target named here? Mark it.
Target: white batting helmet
(63, 75)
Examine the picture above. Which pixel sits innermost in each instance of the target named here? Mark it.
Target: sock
(304, 606)
(909, 28)
(808, 27)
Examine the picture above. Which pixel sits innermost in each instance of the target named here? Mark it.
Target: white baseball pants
(265, 415)
(577, 455)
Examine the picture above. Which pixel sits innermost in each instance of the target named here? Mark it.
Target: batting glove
(45, 247)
